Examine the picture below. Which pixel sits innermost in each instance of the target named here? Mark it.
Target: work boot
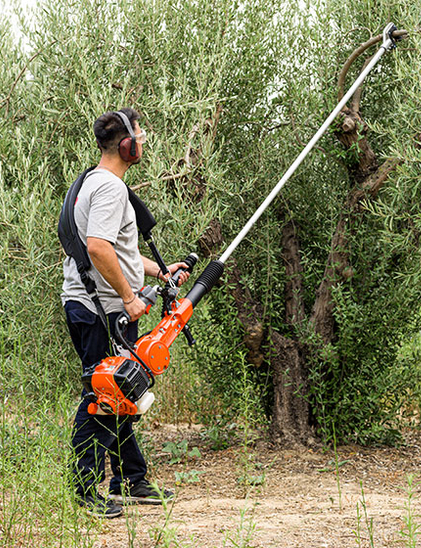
(141, 493)
(98, 506)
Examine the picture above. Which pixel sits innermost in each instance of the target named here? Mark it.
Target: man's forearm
(105, 260)
(151, 267)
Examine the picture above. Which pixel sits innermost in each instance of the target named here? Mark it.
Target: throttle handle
(191, 260)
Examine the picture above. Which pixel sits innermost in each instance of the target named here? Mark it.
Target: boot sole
(103, 515)
(136, 500)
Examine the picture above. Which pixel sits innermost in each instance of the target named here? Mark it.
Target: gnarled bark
(290, 423)
(294, 302)
(287, 356)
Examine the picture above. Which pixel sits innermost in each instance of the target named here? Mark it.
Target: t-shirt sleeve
(106, 211)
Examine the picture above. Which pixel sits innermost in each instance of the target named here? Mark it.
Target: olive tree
(318, 297)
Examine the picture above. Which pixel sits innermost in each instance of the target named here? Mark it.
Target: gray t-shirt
(103, 210)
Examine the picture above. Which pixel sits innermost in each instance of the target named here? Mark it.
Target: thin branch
(218, 113)
(164, 178)
(212, 124)
(356, 29)
(141, 185)
(189, 166)
(54, 130)
(277, 126)
(192, 135)
(19, 76)
(300, 142)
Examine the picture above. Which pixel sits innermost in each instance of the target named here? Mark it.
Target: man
(106, 223)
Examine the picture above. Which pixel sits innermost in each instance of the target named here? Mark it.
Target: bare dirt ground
(296, 504)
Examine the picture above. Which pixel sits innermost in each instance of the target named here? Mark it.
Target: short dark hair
(109, 128)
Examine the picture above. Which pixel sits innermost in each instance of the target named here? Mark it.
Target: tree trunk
(290, 423)
(287, 356)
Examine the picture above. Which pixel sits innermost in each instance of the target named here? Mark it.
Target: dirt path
(297, 504)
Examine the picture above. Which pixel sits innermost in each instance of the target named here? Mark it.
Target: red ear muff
(127, 146)
(125, 149)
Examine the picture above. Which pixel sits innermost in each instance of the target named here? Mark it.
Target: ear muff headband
(127, 146)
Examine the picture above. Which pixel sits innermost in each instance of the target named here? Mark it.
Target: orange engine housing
(117, 383)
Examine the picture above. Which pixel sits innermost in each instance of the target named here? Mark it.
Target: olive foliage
(229, 93)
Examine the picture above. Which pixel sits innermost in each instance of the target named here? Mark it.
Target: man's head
(114, 131)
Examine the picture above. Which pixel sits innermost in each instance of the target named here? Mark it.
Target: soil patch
(267, 498)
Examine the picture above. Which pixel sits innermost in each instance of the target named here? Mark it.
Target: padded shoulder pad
(67, 230)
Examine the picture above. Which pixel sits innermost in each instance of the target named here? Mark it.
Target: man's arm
(152, 269)
(105, 260)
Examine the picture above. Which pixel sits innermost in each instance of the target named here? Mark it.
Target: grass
(37, 507)
(368, 521)
(410, 531)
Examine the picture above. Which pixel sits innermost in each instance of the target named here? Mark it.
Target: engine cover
(116, 383)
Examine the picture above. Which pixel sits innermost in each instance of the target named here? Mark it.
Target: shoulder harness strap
(75, 248)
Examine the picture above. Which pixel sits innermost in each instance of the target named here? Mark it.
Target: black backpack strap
(144, 219)
(73, 245)
(90, 286)
(67, 230)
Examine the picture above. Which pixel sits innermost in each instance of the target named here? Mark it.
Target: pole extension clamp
(389, 41)
(391, 36)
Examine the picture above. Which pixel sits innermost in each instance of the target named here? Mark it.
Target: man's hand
(184, 276)
(152, 269)
(135, 309)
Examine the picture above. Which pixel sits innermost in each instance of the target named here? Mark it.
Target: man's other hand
(135, 309)
(184, 276)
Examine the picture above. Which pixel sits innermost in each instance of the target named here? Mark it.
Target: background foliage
(229, 92)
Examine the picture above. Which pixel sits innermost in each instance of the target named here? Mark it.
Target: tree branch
(338, 267)
(356, 98)
(141, 185)
(294, 301)
(359, 51)
(373, 183)
(192, 135)
(6, 100)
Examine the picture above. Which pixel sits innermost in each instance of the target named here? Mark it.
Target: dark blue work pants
(94, 435)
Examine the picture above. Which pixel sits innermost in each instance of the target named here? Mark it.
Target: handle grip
(191, 260)
(148, 296)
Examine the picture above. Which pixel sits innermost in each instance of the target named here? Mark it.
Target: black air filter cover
(132, 380)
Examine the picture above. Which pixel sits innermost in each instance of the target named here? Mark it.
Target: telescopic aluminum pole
(388, 43)
(215, 269)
